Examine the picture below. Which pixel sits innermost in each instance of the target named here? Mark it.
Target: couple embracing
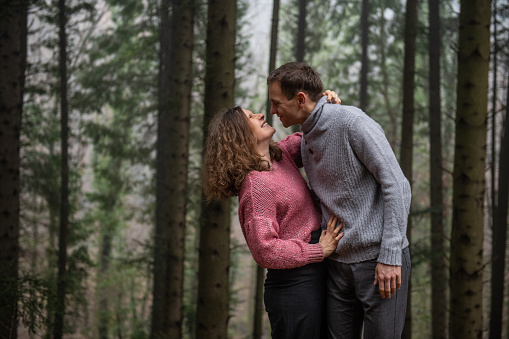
(320, 283)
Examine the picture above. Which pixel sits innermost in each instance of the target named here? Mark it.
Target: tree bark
(174, 105)
(494, 115)
(300, 45)
(13, 32)
(260, 271)
(364, 58)
(64, 183)
(469, 170)
(161, 228)
(496, 291)
(407, 132)
(258, 310)
(214, 262)
(391, 111)
(500, 233)
(110, 198)
(273, 52)
(103, 298)
(438, 265)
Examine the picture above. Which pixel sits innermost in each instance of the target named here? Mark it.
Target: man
(354, 172)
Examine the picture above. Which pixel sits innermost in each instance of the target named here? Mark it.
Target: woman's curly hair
(230, 154)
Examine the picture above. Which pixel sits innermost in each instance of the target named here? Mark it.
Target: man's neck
(309, 107)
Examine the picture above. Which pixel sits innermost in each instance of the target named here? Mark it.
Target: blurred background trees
(103, 229)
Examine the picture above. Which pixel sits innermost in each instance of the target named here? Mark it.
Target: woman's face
(261, 130)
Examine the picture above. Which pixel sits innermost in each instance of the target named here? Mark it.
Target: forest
(104, 231)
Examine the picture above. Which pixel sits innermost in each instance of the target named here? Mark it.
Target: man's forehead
(275, 89)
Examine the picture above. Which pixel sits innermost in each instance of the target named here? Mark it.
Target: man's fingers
(393, 285)
(387, 284)
(389, 279)
(381, 287)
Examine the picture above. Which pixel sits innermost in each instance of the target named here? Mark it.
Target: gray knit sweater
(354, 172)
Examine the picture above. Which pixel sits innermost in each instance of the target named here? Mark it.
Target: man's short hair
(295, 77)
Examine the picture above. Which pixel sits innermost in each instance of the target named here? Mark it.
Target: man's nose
(273, 109)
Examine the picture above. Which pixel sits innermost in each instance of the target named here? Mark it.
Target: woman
(277, 214)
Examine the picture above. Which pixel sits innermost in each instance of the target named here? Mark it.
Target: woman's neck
(264, 152)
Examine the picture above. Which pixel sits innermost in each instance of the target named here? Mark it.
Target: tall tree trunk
(389, 109)
(64, 188)
(109, 201)
(364, 58)
(260, 271)
(161, 228)
(258, 310)
(494, 115)
(496, 292)
(438, 265)
(176, 43)
(407, 132)
(300, 44)
(469, 166)
(53, 202)
(13, 32)
(273, 51)
(214, 254)
(103, 298)
(500, 233)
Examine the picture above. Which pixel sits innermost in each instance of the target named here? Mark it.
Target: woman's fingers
(332, 229)
(332, 97)
(337, 229)
(330, 237)
(336, 232)
(340, 235)
(332, 223)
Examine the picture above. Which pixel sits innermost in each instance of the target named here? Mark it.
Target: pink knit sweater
(277, 213)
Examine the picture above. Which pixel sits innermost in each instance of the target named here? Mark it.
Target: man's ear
(301, 99)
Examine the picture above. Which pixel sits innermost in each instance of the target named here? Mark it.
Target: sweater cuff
(390, 256)
(315, 253)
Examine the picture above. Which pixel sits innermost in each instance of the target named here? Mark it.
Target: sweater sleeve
(292, 144)
(257, 215)
(373, 149)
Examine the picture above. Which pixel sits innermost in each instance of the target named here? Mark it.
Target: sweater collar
(315, 115)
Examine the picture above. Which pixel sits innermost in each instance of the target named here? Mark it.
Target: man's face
(286, 110)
